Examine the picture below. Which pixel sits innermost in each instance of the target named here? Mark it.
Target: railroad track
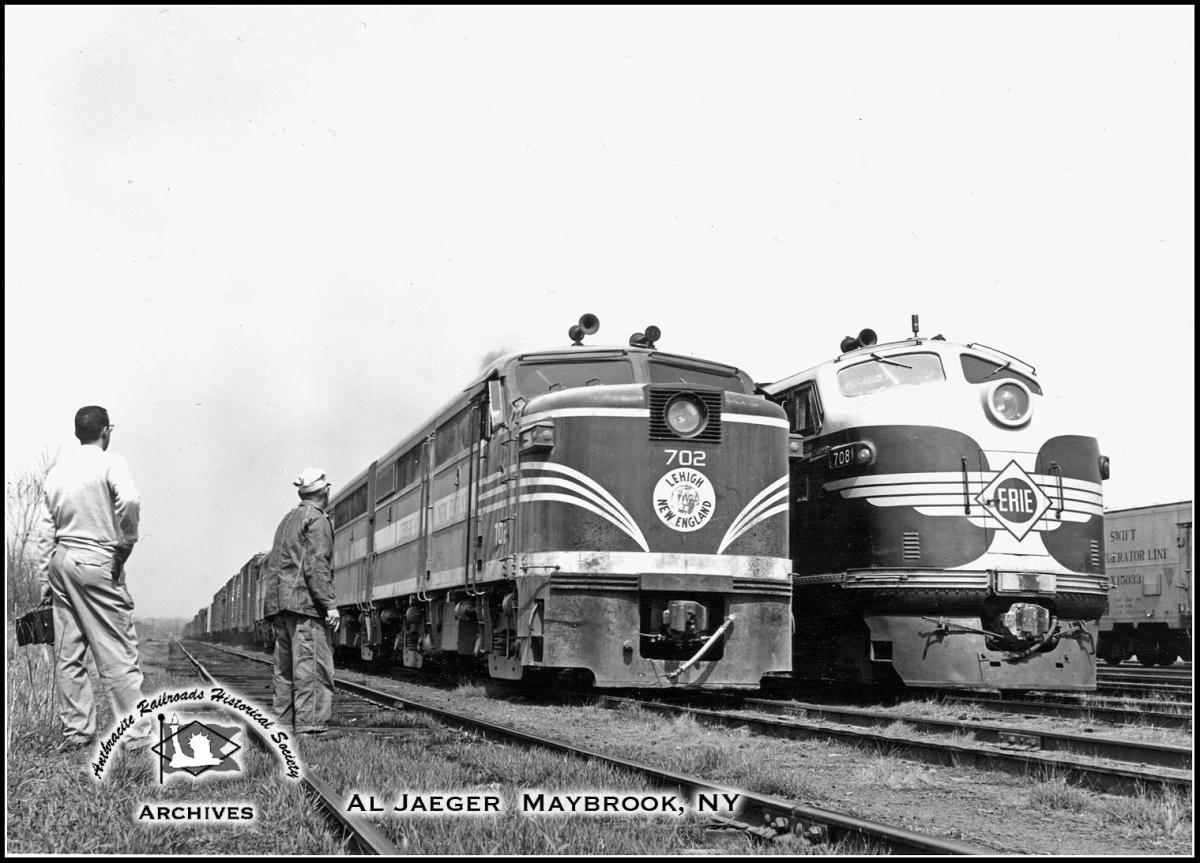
(361, 836)
(1147, 713)
(990, 746)
(1121, 689)
(760, 815)
(1145, 675)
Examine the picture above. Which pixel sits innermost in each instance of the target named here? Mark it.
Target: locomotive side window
(534, 378)
(385, 481)
(895, 370)
(979, 370)
(662, 372)
(351, 507)
(454, 435)
(803, 409)
(408, 468)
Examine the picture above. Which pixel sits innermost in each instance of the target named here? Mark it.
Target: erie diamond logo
(1014, 500)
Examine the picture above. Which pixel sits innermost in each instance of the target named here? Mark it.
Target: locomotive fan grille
(659, 430)
(912, 545)
(1095, 555)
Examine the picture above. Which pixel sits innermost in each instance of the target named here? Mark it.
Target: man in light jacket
(89, 524)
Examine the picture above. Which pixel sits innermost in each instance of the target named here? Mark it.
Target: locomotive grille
(659, 430)
(1095, 555)
(912, 545)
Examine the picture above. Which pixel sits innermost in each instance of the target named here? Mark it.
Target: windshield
(535, 378)
(979, 370)
(663, 372)
(896, 370)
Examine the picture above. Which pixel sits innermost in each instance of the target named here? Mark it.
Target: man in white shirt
(89, 525)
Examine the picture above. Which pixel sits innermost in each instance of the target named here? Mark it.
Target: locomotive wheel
(1112, 659)
(1167, 657)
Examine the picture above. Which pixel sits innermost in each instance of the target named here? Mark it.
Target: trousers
(303, 671)
(92, 610)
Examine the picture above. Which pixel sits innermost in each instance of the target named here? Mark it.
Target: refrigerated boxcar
(1149, 558)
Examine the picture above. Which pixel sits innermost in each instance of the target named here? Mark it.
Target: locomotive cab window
(880, 373)
(803, 410)
(980, 370)
(664, 371)
(535, 378)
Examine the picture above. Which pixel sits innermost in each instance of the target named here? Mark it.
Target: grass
(1154, 815)
(55, 807)
(1057, 795)
(895, 773)
(463, 762)
(1157, 817)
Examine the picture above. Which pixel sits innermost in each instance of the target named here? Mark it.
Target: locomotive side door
(803, 408)
(498, 535)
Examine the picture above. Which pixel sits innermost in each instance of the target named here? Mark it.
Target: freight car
(236, 611)
(946, 523)
(1150, 563)
(616, 511)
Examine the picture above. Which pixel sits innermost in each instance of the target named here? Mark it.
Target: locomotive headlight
(1008, 402)
(538, 438)
(686, 415)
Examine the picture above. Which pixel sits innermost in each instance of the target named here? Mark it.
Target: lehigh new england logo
(196, 747)
(684, 499)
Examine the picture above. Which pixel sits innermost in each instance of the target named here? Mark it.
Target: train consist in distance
(1150, 562)
(618, 511)
(946, 524)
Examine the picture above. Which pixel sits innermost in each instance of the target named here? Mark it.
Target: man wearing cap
(89, 524)
(299, 601)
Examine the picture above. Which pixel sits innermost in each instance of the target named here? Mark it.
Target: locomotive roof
(572, 351)
(940, 345)
(492, 369)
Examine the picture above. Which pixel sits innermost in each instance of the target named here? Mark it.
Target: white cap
(310, 481)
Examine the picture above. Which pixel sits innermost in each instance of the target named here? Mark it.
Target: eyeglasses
(110, 428)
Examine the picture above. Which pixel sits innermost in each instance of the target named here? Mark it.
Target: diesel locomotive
(616, 511)
(619, 512)
(946, 523)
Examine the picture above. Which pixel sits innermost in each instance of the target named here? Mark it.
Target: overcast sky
(267, 238)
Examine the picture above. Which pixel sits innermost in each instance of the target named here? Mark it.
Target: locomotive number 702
(686, 457)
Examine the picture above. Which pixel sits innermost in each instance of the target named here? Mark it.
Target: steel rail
(366, 837)
(1164, 673)
(758, 811)
(1156, 754)
(1120, 715)
(1106, 778)
(1171, 690)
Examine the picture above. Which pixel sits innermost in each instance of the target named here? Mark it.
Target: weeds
(1155, 815)
(1055, 794)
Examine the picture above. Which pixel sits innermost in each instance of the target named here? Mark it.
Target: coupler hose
(712, 639)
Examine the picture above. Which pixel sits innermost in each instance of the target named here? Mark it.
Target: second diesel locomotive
(619, 511)
(946, 524)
